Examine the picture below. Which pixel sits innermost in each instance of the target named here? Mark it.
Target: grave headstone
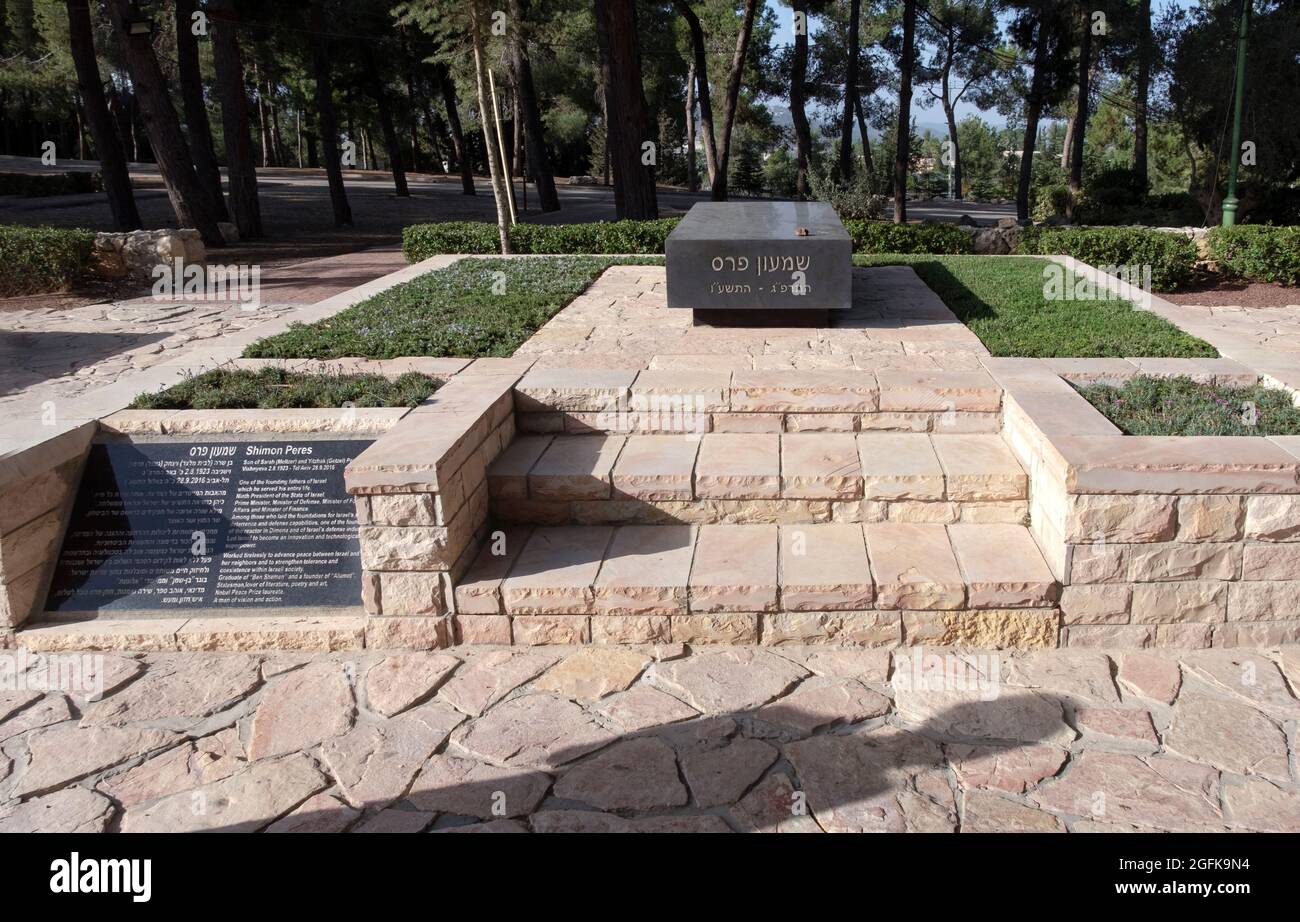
(751, 263)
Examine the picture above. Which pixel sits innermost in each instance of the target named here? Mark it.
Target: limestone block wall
(37, 488)
(422, 506)
(1180, 542)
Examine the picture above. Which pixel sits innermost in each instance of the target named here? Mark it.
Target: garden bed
(275, 388)
(1002, 300)
(1149, 405)
(472, 309)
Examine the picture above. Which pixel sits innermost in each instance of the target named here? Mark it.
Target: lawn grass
(274, 388)
(1001, 299)
(471, 309)
(1149, 405)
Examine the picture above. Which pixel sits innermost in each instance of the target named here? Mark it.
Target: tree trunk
(539, 161)
(798, 103)
(1143, 92)
(108, 147)
(263, 122)
(196, 109)
(329, 129)
(415, 119)
(435, 136)
(702, 90)
(851, 86)
(1033, 110)
(379, 93)
(1080, 113)
(692, 180)
(457, 133)
(719, 191)
(902, 153)
(949, 111)
(1067, 147)
(626, 125)
(277, 139)
(496, 169)
(188, 199)
(241, 167)
(866, 141)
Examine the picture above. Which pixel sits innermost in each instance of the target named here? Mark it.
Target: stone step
(772, 478)
(686, 570)
(700, 398)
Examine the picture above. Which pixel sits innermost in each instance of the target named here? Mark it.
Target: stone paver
(824, 568)
(734, 569)
(646, 571)
(914, 566)
(665, 739)
(739, 465)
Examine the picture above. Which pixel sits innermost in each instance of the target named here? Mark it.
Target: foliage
(420, 241)
(1148, 405)
(884, 237)
(854, 199)
(1004, 303)
(45, 184)
(1257, 252)
(38, 259)
(1172, 257)
(276, 388)
(473, 308)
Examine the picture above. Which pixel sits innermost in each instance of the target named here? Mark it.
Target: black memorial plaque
(216, 525)
(756, 257)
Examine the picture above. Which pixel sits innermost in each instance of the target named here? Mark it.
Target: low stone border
(1159, 541)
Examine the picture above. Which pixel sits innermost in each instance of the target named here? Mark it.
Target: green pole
(1230, 202)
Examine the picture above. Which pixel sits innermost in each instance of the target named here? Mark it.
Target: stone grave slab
(750, 263)
(218, 524)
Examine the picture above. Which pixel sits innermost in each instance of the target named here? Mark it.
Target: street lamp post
(1230, 201)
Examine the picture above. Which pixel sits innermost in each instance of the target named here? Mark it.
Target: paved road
(295, 206)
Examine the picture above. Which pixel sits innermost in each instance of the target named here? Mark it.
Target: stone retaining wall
(1179, 541)
(422, 505)
(37, 487)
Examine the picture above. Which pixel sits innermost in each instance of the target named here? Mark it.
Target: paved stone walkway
(54, 355)
(786, 739)
(623, 321)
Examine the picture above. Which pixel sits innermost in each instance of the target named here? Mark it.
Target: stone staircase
(775, 478)
(851, 537)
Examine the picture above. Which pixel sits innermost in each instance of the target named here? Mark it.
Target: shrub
(420, 241)
(40, 259)
(1259, 252)
(276, 388)
(1051, 201)
(43, 184)
(1172, 257)
(884, 237)
(853, 199)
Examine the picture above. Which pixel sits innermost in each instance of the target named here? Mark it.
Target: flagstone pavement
(712, 739)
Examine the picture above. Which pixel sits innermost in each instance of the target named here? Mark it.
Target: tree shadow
(780, 767)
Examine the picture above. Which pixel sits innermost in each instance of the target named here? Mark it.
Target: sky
(932, 118)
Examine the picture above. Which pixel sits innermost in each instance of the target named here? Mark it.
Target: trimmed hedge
(43, 184)
(41, 259)
(885, 237)
(420, 241)
(1172, 257)
(1257, 252)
